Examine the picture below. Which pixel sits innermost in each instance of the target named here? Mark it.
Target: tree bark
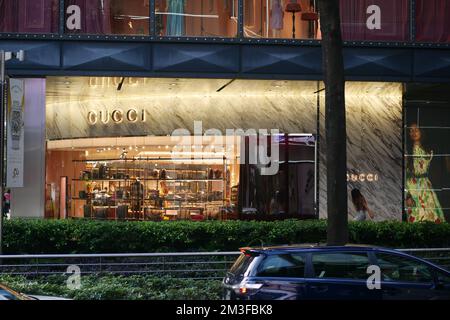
(336, 134)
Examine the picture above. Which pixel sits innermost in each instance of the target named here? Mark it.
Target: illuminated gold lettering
(92, 118)
(117, 116)
(132, 115)
(104, 117)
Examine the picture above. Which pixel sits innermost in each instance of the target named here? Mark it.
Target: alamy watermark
(262, 148)
(73, 282)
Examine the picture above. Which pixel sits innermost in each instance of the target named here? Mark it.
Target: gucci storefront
(201, 149)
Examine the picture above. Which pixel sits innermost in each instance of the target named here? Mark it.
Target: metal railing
(192, 265)
(195, 265)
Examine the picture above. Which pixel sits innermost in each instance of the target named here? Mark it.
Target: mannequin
(137, 197)
(277, 18)
(175, 19)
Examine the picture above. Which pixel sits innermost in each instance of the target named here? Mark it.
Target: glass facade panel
(205, 18)
(29, 16)
(377, 20)
(289, 192)
(432, 21)
(130, 17)
(281, 19)
(427, 164)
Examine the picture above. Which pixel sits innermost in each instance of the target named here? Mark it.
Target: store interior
(113, 151)
(144, 178)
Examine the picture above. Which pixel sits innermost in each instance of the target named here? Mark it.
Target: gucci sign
(116, 116)
(362, 177)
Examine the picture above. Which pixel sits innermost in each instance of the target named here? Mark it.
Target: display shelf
(147, 179)
(140, 186)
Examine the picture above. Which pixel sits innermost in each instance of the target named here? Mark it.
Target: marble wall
(374, 147)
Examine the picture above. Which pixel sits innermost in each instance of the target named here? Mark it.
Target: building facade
(158, 109)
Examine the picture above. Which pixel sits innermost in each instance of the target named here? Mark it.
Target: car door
(282, 276)
(442, 284)
(405, 278)
(340, 275)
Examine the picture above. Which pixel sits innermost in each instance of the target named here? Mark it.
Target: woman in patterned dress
(422, 203)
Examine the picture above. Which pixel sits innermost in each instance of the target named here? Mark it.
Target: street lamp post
(4, 56)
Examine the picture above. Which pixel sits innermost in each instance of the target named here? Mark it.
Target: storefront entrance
(180, 149)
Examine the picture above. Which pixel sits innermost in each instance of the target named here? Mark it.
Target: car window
(241, 265)
(282, 265)
(5, 295)
(442, 277)
(398, 268)
(346, 265)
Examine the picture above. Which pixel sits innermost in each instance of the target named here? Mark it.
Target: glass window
(281, 19)
(427, 163)
(204, 18)
(290, 192)
(345, 265)
(397, 268)
(432, 21)
(29, 16)
(124, 17)
(241, 265)
(282, 265)
(378, 20)
(443, 278)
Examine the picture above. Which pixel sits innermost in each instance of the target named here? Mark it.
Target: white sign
(15, 142)
(374, 20)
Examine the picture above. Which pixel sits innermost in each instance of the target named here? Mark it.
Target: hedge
(109, 287)
(84, 236)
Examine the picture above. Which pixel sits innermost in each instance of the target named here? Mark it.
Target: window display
(378, 20)
(427, 159)
(29, 16)
(152, 189)
(205, 18)
(130, 17)
(289, 19)
(432, 21)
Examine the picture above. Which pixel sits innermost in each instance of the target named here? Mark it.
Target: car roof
(308, 246)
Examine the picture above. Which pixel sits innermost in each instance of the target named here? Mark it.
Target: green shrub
(83, 236)
(109, 287)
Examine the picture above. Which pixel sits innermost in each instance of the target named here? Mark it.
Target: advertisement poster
(15, 134)
(427, 164)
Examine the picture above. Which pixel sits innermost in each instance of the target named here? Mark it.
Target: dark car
(326, 272)
(9, 294)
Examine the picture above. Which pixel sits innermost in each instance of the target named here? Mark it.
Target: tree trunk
(336, 135)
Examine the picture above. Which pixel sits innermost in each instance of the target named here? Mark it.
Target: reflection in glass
(206, 18)
(287, 194)
(421, 200)
(281, 19)
(125, 17)
(29, 16)
(432, 22)
(379, 20)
